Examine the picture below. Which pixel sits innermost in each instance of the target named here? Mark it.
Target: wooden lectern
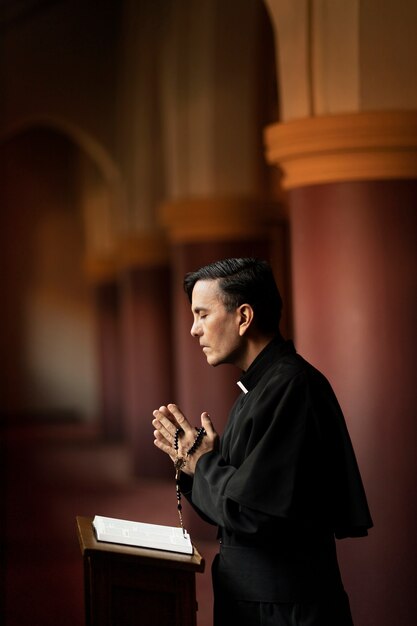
(128, 586)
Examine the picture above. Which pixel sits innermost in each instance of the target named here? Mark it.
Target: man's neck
(255, 345)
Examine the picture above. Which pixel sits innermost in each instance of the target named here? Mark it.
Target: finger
(163, 411)
(163, 433)
(180, 418)
(207, 424)
(166, 412)
(162, 439)
(164, 445)
(163, 423)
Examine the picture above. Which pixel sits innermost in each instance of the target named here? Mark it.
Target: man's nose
(195, 329)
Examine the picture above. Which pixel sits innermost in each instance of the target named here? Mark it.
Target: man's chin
(211, 360)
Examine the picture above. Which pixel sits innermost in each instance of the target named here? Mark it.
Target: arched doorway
(47, 328)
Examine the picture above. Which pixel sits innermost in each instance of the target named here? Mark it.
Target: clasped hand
(166, 421)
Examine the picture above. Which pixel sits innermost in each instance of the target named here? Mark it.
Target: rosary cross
(179, 464)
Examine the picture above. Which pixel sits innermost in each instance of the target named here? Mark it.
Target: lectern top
(89, 544)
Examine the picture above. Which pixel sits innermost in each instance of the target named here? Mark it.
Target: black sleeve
(206, 493)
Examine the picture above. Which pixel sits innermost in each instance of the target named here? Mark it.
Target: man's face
(216, 329)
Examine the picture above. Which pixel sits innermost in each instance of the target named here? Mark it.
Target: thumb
(207, 424)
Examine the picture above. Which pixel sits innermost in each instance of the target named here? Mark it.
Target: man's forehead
(205, 293)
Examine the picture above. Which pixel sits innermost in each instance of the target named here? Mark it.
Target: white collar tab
(242, 386)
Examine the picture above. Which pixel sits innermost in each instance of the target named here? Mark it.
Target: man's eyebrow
(198, 309)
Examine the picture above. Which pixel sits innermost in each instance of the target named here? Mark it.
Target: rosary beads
(181, 461)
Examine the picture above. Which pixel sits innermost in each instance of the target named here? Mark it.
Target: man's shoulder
(293, 366)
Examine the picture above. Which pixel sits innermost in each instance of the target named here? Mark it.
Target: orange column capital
(131, 251)
(199, 219)
(374, 145)
(101, 268)
(143, 250)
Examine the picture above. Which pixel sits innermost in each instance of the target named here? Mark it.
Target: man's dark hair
(244, 280)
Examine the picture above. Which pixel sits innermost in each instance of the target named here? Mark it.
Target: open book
(142, 535)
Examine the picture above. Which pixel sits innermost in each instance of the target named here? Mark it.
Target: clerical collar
(275, 349)
(242, 386)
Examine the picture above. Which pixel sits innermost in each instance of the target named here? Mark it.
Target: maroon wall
(109, 335)
(147, 362)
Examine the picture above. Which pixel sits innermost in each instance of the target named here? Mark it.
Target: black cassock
(283, 484)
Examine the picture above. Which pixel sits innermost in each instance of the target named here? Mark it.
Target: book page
(142, 534)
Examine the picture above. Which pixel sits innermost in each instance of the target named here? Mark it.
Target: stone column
(99, 197)
(147, 347)
(142, 252)
(354, 269)
(347, 150)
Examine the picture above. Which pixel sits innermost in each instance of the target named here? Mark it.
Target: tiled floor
(54, 474)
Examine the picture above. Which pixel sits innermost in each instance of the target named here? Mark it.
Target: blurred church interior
(140, 139)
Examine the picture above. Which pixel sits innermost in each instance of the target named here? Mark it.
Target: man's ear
(246, 316)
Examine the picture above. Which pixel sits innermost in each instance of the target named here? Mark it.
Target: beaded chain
(180, 462)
